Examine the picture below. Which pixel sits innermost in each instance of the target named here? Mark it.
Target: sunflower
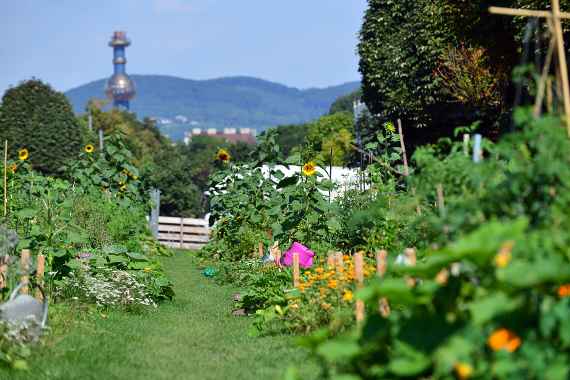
(23, 154)
(223, 155)
(89, 148)
(309, 169)
(389, 126)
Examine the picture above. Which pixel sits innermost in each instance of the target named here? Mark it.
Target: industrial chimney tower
(120, 88)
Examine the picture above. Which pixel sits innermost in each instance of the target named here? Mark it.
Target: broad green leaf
(338, 350)
(493, 305)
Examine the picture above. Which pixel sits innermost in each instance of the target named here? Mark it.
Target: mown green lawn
(193, 337)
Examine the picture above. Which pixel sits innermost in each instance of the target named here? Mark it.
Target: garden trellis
(554, 18)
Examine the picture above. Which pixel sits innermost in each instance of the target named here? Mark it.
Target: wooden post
(3, 271)
(331, 260)
(25, 269)
(410, 254)
(296, 273)
(466, 139)
(544, 79)
(260, 249)
(403, 146)
(562, 59)
(440, 200)
(381, 259)
(5, 177)
(359, 276)
(40, 276)
(277, 254)
(181, 232)
(338, 262)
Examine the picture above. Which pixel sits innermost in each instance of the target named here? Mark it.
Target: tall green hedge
(36, 117)
(403, 43)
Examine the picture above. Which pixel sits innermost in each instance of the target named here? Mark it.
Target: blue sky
(301, 43)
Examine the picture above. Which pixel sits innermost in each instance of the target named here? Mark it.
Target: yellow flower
(309, 169)
(123, 188)
(23, 154)
(326, 306)
(463, 370)
(504, 256)
(89, 148)
(223, 155)
(147, 269)
(332, 284)
(389, 126)
(13, 168)
(504, 339)
(347, 296)
(320, 270)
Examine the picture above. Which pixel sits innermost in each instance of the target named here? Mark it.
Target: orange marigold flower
(504, 339)
(332, 284)
(564, 291)
(463, 370)
(320, 270)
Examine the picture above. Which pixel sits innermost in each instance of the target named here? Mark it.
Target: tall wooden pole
(359, 275)
(40, 276)
(381, 258)
(562, 59)
(5, 177)
(403, 146)
(25, 269)
(296, 272)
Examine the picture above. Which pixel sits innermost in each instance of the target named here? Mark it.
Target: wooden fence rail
(185, 233)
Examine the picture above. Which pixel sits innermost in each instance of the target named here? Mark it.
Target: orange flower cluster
(463, 370)
(564, 291)
(504, 339)
(336, 280)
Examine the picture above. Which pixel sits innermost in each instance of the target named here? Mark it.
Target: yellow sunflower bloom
(223, 155)
(23, 154)
(348, 296)
(309, 169)
(89, 148)
(389, 126)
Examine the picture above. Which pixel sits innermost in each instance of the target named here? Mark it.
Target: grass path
(193, 337)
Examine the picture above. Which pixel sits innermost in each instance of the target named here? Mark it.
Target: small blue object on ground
(209, 272)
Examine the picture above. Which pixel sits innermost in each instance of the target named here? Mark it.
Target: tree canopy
(35, 117)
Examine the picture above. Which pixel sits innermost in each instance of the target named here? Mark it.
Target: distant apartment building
(232, 135)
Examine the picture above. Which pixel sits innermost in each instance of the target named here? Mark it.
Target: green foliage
(345, 103)
(35, 117)
(332, 132)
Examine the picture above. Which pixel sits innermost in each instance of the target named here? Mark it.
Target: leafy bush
(35, 117)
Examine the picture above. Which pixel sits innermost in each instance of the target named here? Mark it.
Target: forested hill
(224, 102)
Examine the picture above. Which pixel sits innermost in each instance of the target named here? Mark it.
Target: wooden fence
(185, 233)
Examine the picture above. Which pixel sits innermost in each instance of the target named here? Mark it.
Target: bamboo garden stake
(24, 270)
(5, 177)
(403, 146)
(555, 16)
(359, 275)
(3, 271)
(40, 276)
(260, 249)
(381, 257)
(440, 200)
(410, 254)
(296, 269)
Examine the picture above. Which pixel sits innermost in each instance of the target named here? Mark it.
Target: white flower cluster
(27, 331)
(107, 288)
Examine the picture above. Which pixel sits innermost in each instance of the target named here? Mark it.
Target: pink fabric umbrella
(305, 256)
